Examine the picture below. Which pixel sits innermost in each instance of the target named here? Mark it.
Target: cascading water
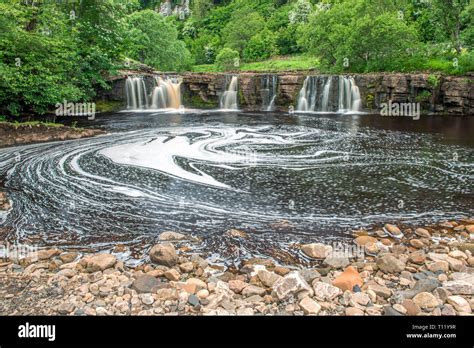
(135, 89)
(268, 92)
(348, 95)
(229, 97)
(166, 93)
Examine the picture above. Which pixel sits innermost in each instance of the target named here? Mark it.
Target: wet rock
(164, 254)
(417, 244)
(421, 232)
(310, 306)
(325, 292)
(145, 284)
(390, 264)
(348, 279)
(317, 250)
(170, 235)
(236, 233)
(459, 303)
(98, 262)
(282, 271)
(363, 240)
(425, 300)
(292, 283)
(393, 231)
(268, 278)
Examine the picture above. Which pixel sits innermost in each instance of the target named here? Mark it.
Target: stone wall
(451, 95)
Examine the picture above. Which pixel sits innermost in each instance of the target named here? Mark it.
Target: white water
(348, 95)
(229, 97)
(166, 93)
(269, 92)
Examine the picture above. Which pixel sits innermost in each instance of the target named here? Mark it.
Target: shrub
(227, 59)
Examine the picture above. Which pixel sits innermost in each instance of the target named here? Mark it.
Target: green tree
(241, 28)
(154, 41)
(358, 35)
(227, 59)
(201, 8)
(261, 46)
(449, 13)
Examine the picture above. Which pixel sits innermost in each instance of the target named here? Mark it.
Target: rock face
(164, 254)
(450, 95)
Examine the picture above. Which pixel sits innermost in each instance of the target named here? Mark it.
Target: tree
(241, 28)
(201, 8)
(449, 13)
(227, 59)
(154, 41)
(261, 46)
(358, 35)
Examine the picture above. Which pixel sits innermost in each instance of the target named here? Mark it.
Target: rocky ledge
(401, 271)
(18, 134)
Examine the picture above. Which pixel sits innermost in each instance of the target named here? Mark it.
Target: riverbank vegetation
(53, 51)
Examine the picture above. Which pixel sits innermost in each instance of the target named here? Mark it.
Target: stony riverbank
(409, 271)
(12, 134)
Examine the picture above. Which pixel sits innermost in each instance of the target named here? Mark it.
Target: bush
(261, 46)
(227, 59)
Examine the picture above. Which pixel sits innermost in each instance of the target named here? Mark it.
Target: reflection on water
(206, 172)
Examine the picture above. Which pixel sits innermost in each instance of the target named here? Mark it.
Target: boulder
(390, 264)
(317, 250)
(267, 278)
(146, 284)
(164, 254)
(291, 284)
(348, 279)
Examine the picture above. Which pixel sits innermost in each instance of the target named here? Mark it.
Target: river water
(202, 173)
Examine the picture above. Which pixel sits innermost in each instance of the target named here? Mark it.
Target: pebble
(425, 300)
(459, 303)
(317, 250)
(390, 264)
(310, 306)
(325, 292)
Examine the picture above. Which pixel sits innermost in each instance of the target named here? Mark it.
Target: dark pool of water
(206, 172)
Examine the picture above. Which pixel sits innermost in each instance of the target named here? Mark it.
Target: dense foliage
(56, 50)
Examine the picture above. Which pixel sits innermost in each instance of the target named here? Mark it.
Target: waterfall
(308, 95)
(229, 97)
(269, 85)
(136, 92)
(349, 95)
(355, 96)
(166, 93)
(348, 98)
(327, 88)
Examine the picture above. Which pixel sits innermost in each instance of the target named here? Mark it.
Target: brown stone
(348, 279)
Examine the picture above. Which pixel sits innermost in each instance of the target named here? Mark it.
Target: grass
(17, 125)
(282, 63)
(108, 106)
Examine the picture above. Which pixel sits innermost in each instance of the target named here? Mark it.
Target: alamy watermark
(401, 109)
(75, 109)
(18, 251)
